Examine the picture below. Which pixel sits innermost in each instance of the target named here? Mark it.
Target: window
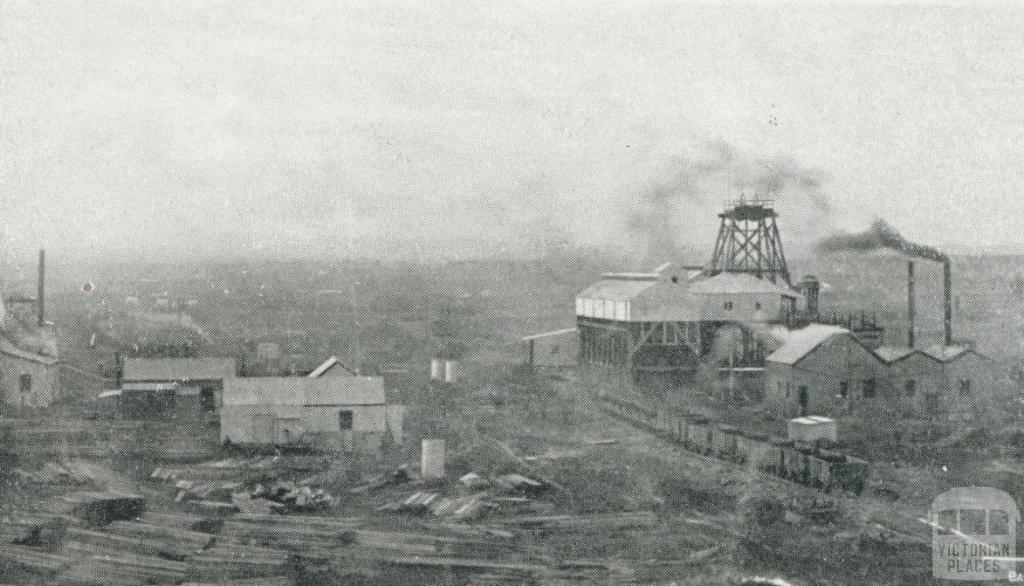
(947, 522)
(998, 522)
(345, 420)
(208, 399)
(972, 521)
(727, 305)
(965, 388)
(844, 389)
(787, 390)
(869, 388)
(26, 383)
(911, 387)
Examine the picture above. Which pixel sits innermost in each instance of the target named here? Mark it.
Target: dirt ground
(714, 522)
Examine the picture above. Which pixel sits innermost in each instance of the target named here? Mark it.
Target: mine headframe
(749, 242)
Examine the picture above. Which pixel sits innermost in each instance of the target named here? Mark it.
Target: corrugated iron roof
(614, 288)
(666, 301)
(149, 386)
(178, 369)
(655, 297)
(329, 364)
(800, 343)
(550, 334)
(812, 420)
(8, 348)
(894, 353)
(300, 390)
(947, 353)
(738, 283)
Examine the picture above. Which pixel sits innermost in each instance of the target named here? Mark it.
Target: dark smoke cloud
(770, 178)
(880, 235)
(656, 218)
(699, 185)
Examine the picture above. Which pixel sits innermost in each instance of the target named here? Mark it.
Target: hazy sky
(194, 129)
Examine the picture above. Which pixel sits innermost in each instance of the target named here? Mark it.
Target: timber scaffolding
(749, 242)
(646, 346)
(623, 358)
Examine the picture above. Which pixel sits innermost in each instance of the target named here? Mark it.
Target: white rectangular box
(812, 428)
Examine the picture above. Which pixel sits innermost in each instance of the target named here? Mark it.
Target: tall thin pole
(41, 293)
(910, 304)
(947, 290)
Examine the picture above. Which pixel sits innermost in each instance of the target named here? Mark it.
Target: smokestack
(910, 304)
(41, 293)
(947, 290)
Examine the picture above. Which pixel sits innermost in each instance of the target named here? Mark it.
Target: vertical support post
(947, 289)
(118, 369)
(910, 304)
(41, 293)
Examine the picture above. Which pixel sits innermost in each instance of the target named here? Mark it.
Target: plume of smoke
(686, 182)
(770, 178)
(702, 182)
(880, 235)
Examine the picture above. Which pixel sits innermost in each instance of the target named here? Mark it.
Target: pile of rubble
(246, 484)
(489, 494)
(461, 509)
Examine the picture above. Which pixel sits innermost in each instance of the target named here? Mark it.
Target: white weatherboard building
(28, 378)
(345, 413)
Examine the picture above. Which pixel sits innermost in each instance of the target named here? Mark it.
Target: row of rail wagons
(814, 465)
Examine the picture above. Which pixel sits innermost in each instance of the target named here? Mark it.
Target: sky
(198, 130)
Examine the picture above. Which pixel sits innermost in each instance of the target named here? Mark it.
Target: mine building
(198, 383)
(655, 332)
(739, 328)
(950, 381)
(965, 381)
(28, 351)
(555, 350)
(145, 400)
(28, 378)
(343, 413)
(915, 376)
(822, 369)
